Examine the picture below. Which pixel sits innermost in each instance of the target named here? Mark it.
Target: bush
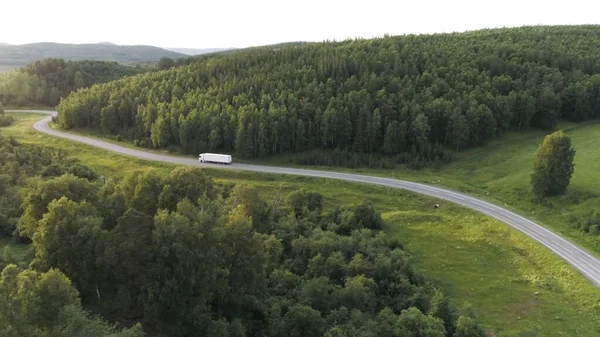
(5, 120)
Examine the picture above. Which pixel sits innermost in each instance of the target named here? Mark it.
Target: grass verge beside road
(513, 284)
(499, 172)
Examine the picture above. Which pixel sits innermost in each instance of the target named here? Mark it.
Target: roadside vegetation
(501, 172)
(376, 103)
(513, 286)
(183, 255)
(466, 111)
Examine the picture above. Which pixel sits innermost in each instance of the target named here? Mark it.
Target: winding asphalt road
(583, 262)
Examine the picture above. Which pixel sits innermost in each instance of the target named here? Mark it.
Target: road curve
(583, 262)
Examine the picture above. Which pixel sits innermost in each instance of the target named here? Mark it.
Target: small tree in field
(4, 120)
(552, 165)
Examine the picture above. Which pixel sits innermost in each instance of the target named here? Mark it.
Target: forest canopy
(185, 256)
(414, 97)
(45, 82)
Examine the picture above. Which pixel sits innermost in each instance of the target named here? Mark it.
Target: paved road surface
(586, 264)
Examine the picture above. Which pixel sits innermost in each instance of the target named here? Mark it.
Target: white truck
(214, 158)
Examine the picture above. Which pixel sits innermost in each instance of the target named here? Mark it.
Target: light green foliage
(18, 162)
(41, 193)
(413, 323)
(67, 238)
(553, 165)
(467, 327)
(47, 305)
(31, 302)
(250, 204)
(441, 308)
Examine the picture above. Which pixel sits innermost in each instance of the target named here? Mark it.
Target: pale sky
(237, 23)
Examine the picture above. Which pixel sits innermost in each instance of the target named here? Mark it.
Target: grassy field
(516, 287)
(28, 107)
(500, 173)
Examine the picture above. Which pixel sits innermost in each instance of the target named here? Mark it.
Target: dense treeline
(187, 257)
(20, 165)
(33, 302)
(45, 304)
(45, 82)
(413, 96)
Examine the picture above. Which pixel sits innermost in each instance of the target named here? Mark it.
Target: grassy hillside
(20, 55)
(501, 172)
(516, 287)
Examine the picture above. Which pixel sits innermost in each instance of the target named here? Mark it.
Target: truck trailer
(214, 158)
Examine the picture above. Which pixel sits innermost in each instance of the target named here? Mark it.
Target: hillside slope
(45, 82)
(412, 98)
(198, 51)
(19, 55)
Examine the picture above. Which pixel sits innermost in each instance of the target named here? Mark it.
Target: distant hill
(4, 44)
(13, 56)
(216, 52)
(195, 51)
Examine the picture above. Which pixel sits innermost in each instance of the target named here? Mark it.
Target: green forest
(398, 99)
(181, 255)
(45, 82)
